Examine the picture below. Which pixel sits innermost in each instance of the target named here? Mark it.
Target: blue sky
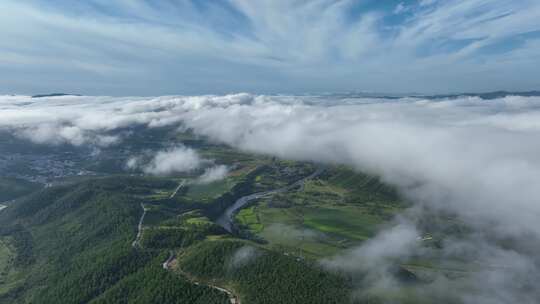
(144, 47)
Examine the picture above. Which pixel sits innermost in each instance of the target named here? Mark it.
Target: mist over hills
(460, 157)
(270, 151)
(485, 95)
(53, 95)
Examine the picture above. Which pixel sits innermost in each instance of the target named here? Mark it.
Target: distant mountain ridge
(54, 95)
(485, 95)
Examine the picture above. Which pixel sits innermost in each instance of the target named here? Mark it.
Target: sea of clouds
(476, 159)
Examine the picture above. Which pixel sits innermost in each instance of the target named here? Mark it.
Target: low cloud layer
(213, 174)
(174, 160)
(475, 159)
(377, 258)
(243, 256)
(289, 233)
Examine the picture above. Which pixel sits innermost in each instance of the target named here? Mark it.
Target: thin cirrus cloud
(191, 47)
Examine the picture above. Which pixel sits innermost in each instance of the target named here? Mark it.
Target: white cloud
(460, 148)
(400, 8)
(377, 257)
(213, 174)
(55, 134)
(133, 163)
(426, 2)
(175, 160)
(243, 256)
(476, 159)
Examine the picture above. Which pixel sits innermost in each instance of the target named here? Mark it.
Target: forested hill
(262, 276)
(75, 243)
(72, 244)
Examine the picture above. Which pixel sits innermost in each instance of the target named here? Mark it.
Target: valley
(269, 224)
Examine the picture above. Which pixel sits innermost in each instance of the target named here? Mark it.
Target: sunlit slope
(334, 211)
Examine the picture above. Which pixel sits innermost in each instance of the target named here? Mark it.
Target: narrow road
(226, 220)
(167, 264)
(180, 185)
(234, 299)
(136, 242)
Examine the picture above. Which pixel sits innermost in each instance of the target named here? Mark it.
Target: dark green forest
(73, 245)
(264, 276)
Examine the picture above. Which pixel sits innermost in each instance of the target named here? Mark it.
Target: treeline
(131, 184)
(159, 238)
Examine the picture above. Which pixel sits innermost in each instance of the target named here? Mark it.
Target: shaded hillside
(11, 188)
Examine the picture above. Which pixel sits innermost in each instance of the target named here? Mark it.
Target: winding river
(226, 220)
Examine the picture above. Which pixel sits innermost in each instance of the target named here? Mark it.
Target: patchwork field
(332, 212)
(318, 218)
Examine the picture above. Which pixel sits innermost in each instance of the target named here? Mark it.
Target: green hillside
(80, 242)
(72, 244)
(263, 276)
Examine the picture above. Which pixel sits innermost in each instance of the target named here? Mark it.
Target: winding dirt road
(180, 185)
(136, 242)
(172, 259)
(234, 299)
